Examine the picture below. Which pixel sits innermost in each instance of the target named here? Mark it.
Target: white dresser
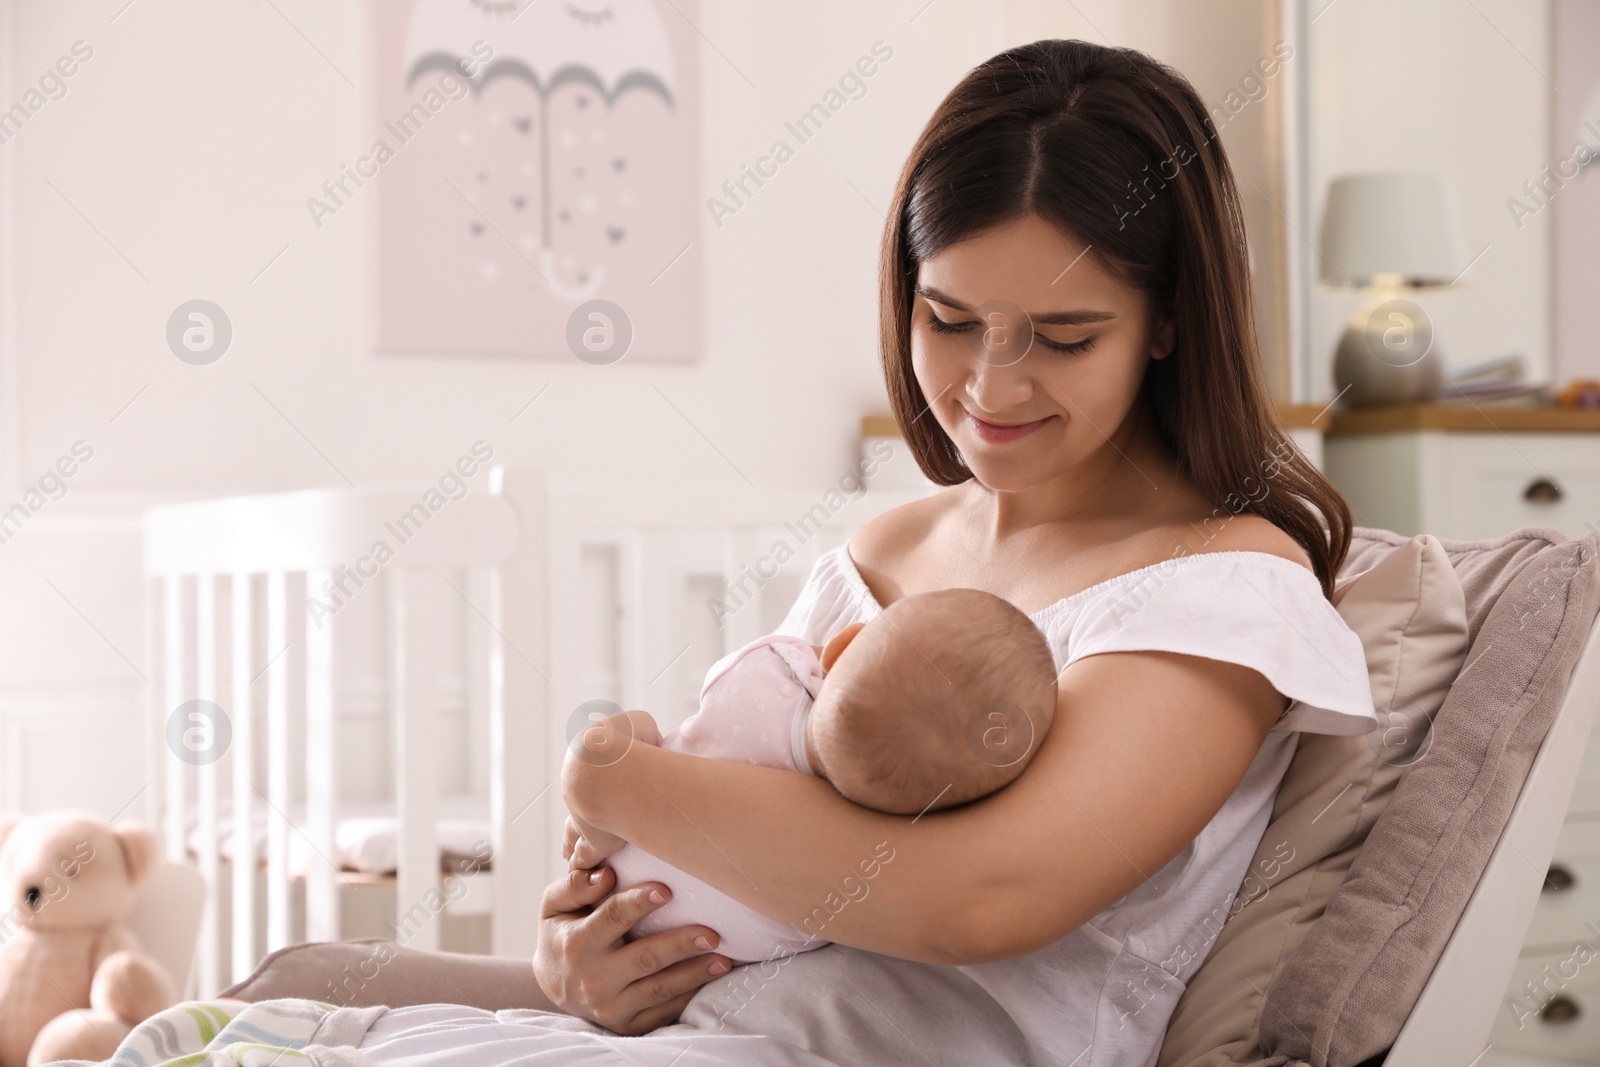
(1479, 473)
(1468, 472)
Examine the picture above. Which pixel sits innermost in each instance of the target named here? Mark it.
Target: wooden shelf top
(1401, 418)
(1304, 416)
(879, 426)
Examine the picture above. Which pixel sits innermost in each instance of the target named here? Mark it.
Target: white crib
(513, 604)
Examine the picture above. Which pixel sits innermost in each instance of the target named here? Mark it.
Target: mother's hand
(586, 968)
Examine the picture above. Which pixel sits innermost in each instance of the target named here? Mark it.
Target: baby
(940, 700)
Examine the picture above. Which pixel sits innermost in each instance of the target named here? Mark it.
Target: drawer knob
(1559, 879)
(1560, 1009)
(1542, 491)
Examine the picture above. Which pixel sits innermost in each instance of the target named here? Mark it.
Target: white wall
(193, 137)
(1575, 207)
(1456, 88)
(177, 166)
(192, 140)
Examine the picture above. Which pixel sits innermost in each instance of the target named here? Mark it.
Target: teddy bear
(73, 982)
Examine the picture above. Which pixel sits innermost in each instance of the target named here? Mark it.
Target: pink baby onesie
(752, 709)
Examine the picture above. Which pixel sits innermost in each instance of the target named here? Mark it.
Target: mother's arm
(1144, 749)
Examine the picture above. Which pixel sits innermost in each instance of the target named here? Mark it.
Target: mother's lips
(1000, 432)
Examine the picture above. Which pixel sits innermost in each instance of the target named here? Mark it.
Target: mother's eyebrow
(1081, 317)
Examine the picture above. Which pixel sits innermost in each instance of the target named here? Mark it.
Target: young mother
(1121, 478)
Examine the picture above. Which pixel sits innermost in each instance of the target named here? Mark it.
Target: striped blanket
(232, 1033)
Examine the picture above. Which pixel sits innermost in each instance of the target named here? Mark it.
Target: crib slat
(278, 884)
(630, 618)
(178, 661)
(155, 756)
(243, 921)
(662, 587)
(208, 970)
(322, 874)
(477, 678)
(561, 572)
(413, 612)
(522, 789)
(175, 683)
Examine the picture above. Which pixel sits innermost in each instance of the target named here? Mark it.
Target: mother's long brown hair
(1119, 151)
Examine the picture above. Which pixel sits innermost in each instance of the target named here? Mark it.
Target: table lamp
(1390, 233)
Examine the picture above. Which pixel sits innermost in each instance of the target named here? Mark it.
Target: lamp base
(1387, 356)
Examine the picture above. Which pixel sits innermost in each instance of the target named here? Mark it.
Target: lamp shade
(1406, 224)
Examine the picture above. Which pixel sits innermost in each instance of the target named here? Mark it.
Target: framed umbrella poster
(537, 166)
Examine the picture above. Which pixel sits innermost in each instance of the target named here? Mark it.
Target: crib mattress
(366, 837)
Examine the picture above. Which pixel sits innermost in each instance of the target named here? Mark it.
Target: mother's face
(1029, 351)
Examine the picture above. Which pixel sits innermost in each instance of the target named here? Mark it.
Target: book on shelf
(1498, 382)
(1497, 394)
(1497, 371)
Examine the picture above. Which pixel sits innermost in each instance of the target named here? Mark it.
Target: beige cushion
(1343, 994)
(1407, 608)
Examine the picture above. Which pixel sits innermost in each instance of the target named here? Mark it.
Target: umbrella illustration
(569, 55)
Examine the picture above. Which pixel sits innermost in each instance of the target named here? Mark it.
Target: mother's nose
(996, 386)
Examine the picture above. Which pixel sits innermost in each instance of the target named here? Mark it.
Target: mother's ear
(140, 849)
(1164, 339)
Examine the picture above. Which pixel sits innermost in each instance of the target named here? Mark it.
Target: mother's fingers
(658, 1016)
(621, 912)
(655, 953)
(660, 999)
(586, 966)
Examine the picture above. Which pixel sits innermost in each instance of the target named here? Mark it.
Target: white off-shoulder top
(1108, 988)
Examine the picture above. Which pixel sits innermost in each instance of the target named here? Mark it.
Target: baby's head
(940, 700)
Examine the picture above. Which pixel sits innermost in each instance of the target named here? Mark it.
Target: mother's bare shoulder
(889, 538)
(1245, 533)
